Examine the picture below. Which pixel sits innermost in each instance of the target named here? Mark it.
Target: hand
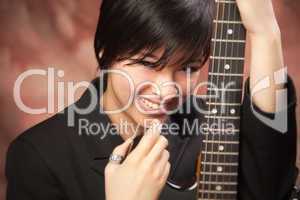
(258, 17)
(143, 173)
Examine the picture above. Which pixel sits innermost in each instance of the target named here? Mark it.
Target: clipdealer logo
(279, 122)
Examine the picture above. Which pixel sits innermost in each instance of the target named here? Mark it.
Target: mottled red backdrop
(59, 34)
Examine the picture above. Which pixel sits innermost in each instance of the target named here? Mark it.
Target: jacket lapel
(100, 145)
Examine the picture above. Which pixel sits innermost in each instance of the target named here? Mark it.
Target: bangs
(181, 28)
(174, 53)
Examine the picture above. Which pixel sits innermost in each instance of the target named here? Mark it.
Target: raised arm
(266, 51)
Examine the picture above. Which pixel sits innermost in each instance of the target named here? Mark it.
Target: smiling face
(152, 41)
(155, 92)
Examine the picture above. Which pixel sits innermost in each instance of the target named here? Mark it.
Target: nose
(168, 89)
(168, 92)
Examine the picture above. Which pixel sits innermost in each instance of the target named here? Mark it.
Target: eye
(146, 63)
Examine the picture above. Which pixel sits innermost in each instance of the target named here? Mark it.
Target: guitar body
(218, 162)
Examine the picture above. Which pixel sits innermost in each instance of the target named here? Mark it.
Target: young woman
(160, 41)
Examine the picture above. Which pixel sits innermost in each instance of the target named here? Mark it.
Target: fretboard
(219, 156)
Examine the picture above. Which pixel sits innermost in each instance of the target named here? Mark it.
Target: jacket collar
(99, 148)
(100, 138)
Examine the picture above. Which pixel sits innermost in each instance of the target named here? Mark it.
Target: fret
(222, 130)
(227, 99)
(228, 40)
(223, 104)
(218, 192)
(224, 81)
(224, 74)
(224, 89)
(208, 196)
(218, 132)
(228, 109)
(220, 142)
(202, 196)
(220, 164)
(224, 1)
(226, 58)
(220, 173)
(220, 153)
(221, 117)
(227, 22)
(208, 199)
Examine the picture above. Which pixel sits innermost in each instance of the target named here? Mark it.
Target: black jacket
(53, 161)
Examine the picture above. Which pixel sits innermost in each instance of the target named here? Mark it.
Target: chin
(145, 118)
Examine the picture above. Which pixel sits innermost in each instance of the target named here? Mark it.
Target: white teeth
(150, 104)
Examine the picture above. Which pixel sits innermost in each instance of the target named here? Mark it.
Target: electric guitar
(218, 160)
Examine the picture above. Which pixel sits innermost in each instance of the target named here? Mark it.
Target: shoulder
(33, 159)
(50, 141)
(48, 133)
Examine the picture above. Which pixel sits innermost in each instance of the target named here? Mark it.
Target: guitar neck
(218, 169)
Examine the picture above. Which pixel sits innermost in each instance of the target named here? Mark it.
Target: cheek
(124, 86)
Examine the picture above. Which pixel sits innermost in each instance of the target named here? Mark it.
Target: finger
(158, 149)
(148, 140)
(121, 150)
(160, 164)
(165, 175)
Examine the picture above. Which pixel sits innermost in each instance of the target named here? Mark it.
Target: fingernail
(156, 122)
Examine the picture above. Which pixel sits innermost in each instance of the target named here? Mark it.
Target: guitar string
(217, 132)
(223, 133)
(212, 133)
(207, 134)
(233, 97)
(240, 69)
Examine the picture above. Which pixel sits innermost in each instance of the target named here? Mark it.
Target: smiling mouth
(149, 107)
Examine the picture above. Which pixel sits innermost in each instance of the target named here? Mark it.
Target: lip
(152, 100)
(147, 109)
